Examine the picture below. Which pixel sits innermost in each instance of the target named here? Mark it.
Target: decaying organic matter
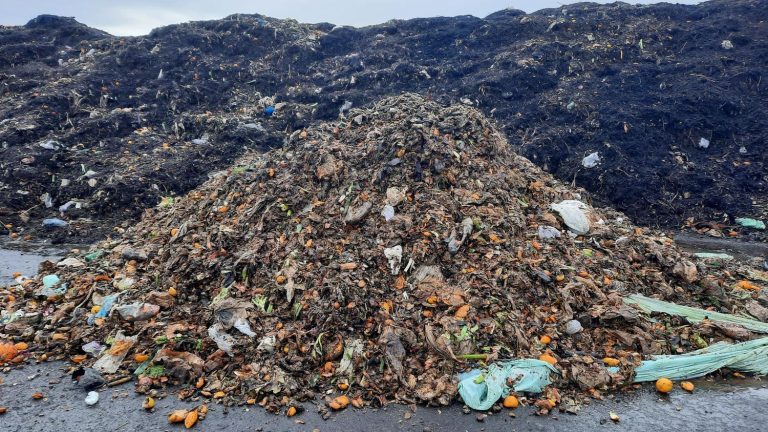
(282, 297)
(95, 128)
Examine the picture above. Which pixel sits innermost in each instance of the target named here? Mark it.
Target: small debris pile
(370, 260)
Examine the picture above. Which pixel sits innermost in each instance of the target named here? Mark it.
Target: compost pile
(657, 110)
(375, 256)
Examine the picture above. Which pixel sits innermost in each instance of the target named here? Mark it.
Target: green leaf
(166, 202)
(142, 367)
(260, 302)
(155, 371)
(220, 296)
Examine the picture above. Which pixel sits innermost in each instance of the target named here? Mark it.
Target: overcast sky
(137, 17)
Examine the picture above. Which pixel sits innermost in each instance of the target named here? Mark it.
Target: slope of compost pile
(376, 257)
(657, 110)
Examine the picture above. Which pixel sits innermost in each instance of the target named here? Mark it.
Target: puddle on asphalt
(25, 257)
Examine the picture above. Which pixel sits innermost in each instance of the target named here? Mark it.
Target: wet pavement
(24, 257)
(740, 249)
(734, 404)
(717, 403)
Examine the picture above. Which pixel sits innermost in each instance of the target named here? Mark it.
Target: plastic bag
(234, 313)
(137, 311)
(751, 223)
(713, 255)
(223, 340)
(750, 356)
(52, 286)
(480, 389)
(547, 232)
(388, 212)
(106, 306)
(591, 161)
(572, 213)
(111, 360)
(648, 304)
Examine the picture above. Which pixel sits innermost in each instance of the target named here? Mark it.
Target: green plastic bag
(481, 388)
(648, 304)
(751, 223)
(750, 357)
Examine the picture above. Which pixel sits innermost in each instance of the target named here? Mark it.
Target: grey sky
(136, 17)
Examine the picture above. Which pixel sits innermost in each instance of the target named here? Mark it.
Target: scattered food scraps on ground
(450, 281)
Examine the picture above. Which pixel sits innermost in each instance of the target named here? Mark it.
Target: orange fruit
(510, 402)
(7, 352)
(177, 416)
(687, 386)
(545, 339)
(190, 419)
(462, 312)
(664, 385)
(747, 285)
(548, 358)
(610, 361)
(78, 358)
(340, 402)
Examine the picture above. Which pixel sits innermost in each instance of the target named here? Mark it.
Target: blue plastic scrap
(481, 388)
(751, 223)
(269, 110)
(54, 223)
(106, 306)
(51, 281)
(52, 286)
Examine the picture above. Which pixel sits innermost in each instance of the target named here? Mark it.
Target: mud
(640, 85)
(715, 405)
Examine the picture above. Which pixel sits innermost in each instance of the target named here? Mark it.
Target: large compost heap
(670, 100)
(377, 256)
